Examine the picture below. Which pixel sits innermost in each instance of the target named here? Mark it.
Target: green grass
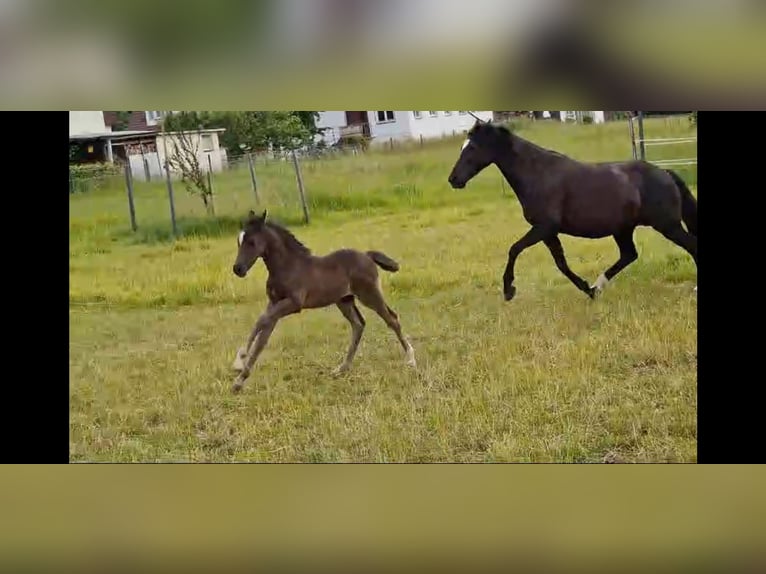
(550, 376)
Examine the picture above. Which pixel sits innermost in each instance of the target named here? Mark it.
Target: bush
(89, 176)
(693, 118)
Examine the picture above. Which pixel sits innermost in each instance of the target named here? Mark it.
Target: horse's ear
(251, 214)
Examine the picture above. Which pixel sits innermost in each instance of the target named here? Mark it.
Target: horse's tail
(688, 203)
(383, 261)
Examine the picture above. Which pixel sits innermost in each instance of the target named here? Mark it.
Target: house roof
(112, 135)
(129, 134)
(202, 131)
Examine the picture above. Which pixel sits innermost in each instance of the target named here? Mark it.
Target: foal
(298, 280)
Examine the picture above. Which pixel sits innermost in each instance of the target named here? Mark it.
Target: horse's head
(251, 243)
(479, 150)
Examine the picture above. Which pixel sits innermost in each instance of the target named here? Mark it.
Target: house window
(385, 117)
(207, 142)
(447, 113)
(154, 115)
(433, 114)
(417, 115)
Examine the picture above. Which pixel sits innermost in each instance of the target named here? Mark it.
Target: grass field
(550, 376)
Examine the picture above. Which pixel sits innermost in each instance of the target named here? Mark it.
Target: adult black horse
(559, 194)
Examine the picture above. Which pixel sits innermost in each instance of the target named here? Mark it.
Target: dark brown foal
(298, 280)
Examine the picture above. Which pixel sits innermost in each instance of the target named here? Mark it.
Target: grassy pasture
(550, 376)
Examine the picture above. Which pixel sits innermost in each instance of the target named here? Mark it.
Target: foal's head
(480, 149)
(251, 243)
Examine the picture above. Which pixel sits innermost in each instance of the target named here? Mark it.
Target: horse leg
(354, 316)
(373, 298)
(557, 250)
(536, 234)
(242, 352)
(265, 326)
(628, 254)
(678, 235)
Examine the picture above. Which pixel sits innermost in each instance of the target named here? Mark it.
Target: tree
(183, 153)
(254, 129)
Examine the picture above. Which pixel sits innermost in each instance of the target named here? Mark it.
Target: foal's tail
(688, 203)
(383, 261)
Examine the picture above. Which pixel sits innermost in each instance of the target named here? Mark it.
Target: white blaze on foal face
(240, 238)
(465, 144)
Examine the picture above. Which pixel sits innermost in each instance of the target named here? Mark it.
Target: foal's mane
(288, 239)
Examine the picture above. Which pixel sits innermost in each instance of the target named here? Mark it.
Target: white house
(83, 123)
(383, 126)
(597, 117)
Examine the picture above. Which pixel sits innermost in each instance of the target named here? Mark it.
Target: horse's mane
(507, 134)
(289, 240)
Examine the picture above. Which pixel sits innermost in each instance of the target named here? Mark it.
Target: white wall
(331, 121)
(598, 117)
(397, 129)
(217, 158)
(82, 122)
(442, 124)
(404, 125)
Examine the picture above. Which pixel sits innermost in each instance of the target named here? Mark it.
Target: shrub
(89, 176)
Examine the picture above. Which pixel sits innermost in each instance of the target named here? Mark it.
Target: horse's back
(599, 200)
(660, 197)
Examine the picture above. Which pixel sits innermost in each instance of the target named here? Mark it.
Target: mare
(561, 195)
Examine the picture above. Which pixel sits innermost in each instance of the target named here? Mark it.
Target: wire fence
(295, 186)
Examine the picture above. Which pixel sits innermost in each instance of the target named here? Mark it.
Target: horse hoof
(509, 293)
(236, 388)
(592, 292)
(239, 360)
(340, 370)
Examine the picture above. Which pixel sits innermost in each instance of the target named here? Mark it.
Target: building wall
(86, 122)
(404, 125)
(598, 117)
(444, 124)
(139, 120)
(210, 146)
(397, 129)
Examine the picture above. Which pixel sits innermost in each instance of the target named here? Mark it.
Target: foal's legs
(242, 352)
(264, 327)
(352, 314)
(535, 235)
(557, 250)
(373, 299)
(628, 254)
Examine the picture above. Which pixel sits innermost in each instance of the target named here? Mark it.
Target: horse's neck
(521, 165)
(277, 257)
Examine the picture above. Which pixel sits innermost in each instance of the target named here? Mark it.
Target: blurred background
(309, 53)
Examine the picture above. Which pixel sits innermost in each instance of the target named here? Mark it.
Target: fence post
(421, 140)
(129, 183)
(641, 135)
(210, 183)
(252, 176)
(147, 171)
(632, 137)
(300, 187)
(170, 197)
